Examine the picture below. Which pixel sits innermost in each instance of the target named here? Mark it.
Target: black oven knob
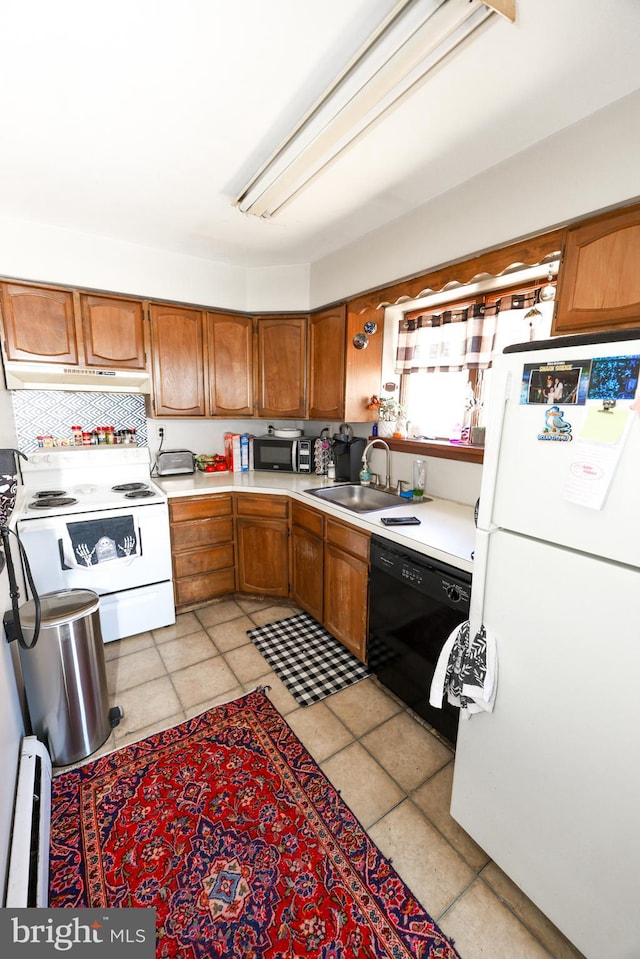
(454, 594)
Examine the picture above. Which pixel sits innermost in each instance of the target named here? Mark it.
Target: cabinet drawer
(349, 539)
(198, 589)
(310, 519)
(194, 561)
(261, 505)
(199, 507)
(202, 532)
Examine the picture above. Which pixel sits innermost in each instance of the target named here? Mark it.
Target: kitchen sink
(359, 499)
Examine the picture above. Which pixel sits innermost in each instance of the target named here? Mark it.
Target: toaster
(173, 462)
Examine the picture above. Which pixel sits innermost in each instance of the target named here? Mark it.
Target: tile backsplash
(54, 412)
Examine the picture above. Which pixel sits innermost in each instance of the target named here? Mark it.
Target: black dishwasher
(415, 604)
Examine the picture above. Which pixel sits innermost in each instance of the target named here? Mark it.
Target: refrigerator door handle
(476, 606)
(502, 385)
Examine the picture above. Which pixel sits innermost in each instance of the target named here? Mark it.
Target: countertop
(446, 532)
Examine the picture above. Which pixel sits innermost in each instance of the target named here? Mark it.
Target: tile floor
(390, 769)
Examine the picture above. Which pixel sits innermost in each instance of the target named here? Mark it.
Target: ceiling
(141, 120)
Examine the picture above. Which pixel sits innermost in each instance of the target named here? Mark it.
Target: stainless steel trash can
(65, 676)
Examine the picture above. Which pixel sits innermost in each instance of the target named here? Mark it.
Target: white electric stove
(93, 518)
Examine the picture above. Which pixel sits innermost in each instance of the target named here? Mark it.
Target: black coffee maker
(347, 454)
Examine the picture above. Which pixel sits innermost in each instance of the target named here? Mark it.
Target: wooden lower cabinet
(323, 566)
(307, 560)
(262, 544)
(346, 586)
(202, 546)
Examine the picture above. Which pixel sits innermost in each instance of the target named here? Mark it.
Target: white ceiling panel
(142, 119)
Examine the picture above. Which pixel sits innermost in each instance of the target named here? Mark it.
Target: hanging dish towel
(466, 671)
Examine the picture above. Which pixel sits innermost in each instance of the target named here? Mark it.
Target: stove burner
(50, 502)
(139, 493)
(125, 487)
(48, 493)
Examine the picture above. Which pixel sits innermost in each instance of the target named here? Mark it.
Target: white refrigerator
(548, 783)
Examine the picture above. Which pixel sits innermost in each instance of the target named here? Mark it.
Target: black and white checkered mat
(308, 660)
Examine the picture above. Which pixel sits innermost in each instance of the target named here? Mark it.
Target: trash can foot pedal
(116, 713)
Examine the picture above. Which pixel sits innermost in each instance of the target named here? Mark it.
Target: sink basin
(359, 499)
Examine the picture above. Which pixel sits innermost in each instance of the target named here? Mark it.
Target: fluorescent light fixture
(414, 38)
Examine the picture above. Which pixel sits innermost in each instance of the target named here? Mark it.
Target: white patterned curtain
(467, 338)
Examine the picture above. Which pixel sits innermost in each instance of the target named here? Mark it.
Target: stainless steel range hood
(53, 376)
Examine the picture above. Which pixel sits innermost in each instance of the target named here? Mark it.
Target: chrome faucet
(387, 478)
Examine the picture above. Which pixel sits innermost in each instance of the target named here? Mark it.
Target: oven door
(105, 550)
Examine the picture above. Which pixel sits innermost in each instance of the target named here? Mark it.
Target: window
(444, 357)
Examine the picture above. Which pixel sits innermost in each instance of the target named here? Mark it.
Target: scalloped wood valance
(494, 263)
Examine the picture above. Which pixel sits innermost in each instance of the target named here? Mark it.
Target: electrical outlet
(161, 432)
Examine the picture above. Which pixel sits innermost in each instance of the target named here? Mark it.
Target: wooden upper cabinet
(363, 368)
(177, 337)
(113, 332)
(599, 279)
(39, 324)
(327, 331)
(282, 366)
(230, 339)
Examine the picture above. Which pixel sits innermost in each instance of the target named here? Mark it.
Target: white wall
(585, 168)
(33, 251)
(277, 288)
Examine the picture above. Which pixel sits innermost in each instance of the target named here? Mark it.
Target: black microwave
(293, 455)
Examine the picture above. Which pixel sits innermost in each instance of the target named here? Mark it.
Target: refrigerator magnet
(555, 426)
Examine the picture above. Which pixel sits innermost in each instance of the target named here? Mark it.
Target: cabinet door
(363, 368)
(326, 363)
(230, 364)
(113, 332)
(282, 363)
(599, 280)
(307, 585)
(178, 361)
(39, 324)
(263, 556)
(346, 592)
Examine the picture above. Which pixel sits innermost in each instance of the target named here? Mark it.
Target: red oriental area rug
(228, 828)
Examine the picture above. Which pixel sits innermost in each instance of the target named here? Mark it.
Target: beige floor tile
(226, 697)
(220, 612)
(321, 732)
(483, 928)
(139, 734)
(432, 869)
(434, 799)
(278, 693)
(272, 614)
(363, 784)
(246, 662)
(146, 705)
(194, 648)
(407, 750)
(231, 634)
(200, 682)
(131, 644)
(185, 623)
(362, 706)
(251, 606)
(506, 890)
(134, 669)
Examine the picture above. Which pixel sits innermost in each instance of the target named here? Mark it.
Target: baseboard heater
(28, 878)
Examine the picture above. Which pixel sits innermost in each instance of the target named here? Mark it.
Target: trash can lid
(63, 606)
